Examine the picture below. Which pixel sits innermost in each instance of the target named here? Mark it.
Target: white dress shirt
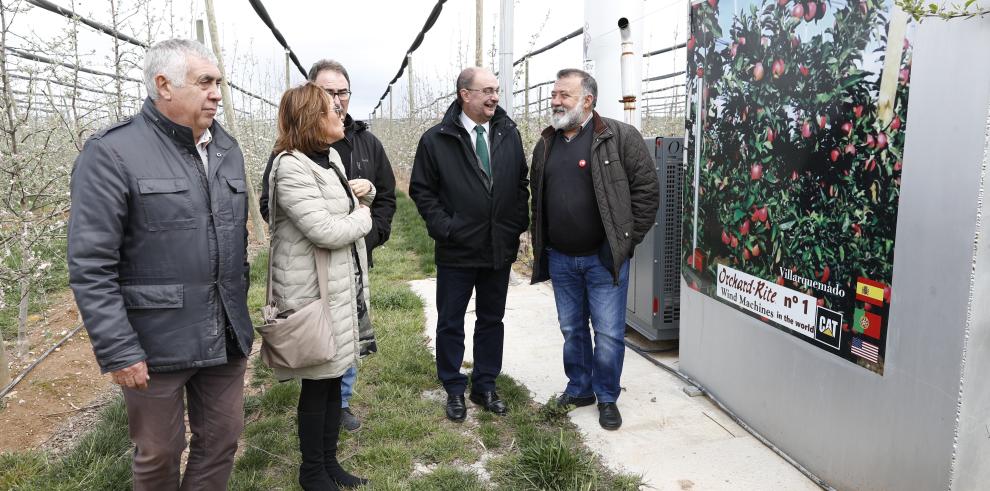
(204, 140)
(469, 125)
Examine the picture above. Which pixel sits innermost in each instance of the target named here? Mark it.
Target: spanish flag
(869, 291)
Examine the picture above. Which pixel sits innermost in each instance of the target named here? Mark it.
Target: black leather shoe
(490, 401)
(566, 399)
(608, 415)
(456, 409)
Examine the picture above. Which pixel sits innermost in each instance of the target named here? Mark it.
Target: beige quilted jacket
(313, 210)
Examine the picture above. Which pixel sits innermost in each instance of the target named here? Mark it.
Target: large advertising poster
(797, 112)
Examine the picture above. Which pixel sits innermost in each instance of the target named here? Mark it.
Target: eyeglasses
(488, 91)
(342, 94)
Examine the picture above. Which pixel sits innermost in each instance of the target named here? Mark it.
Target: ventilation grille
(669, 153)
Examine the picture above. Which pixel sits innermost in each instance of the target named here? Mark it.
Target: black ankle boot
(342, 478)
(312, 473)
(331, 434)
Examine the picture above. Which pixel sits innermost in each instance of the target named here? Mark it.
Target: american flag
(866, 350)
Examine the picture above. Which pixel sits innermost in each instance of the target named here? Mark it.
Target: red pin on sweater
(582, 163)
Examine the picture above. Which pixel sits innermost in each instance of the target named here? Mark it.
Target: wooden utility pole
(526, 86)
(4, 371)
(505, 72)
(412, 104)
(479, 15)
(288, 72)
(231, 120)
(200, 34)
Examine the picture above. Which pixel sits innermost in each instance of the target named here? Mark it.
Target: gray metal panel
(970, 467)
(852, 427)
(654, 270)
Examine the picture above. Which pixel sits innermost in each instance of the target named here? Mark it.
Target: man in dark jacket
(469, 184)
(364, 158)
(595, 196)
(158, 264)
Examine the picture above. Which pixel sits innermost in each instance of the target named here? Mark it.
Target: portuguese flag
(867, 323)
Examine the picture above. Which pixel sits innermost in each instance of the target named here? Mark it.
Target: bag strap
(321, 255)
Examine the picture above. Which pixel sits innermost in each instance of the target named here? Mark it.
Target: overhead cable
(260, 9)
(432, 19)
(69, 14)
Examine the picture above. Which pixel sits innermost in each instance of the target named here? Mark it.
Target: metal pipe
(629, 80)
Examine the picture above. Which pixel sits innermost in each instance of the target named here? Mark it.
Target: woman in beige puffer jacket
(314, 206)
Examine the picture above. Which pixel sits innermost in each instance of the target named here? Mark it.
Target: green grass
(534, 447)
(101, 460)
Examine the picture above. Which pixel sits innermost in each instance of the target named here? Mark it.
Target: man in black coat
(158, 265)
(364, 158)
(469, 182)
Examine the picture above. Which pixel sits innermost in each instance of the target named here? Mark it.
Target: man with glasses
(364, 158)
(469, 182)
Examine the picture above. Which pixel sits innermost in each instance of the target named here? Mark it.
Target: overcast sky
(369, 37)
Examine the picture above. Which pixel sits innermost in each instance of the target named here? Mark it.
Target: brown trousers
(157, 427)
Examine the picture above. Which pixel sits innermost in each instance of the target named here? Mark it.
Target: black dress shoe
(490, 401)
(456, 409)
(608, 416)
(566, 399)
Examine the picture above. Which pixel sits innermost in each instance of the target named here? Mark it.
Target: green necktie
(481, 148)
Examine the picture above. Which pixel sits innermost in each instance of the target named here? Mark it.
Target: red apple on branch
(756, 172)
(758, 71)
(778, 68)
(797, 11)
(895, 124)
(881, 141)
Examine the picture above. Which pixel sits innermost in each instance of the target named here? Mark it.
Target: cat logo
(828, 327)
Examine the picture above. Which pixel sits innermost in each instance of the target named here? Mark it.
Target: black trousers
(454, 287)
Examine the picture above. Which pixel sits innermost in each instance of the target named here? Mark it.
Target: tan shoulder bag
(304, 338)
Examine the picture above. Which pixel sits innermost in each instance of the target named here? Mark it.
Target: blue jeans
(583, 290)
(347, 386)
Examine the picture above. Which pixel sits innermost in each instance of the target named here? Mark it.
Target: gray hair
(168, 58)
(588, 83)
(325, 64)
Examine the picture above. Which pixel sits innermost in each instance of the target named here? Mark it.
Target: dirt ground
(61, 398)
(47, 407)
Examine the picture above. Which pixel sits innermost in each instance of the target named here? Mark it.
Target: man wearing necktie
(469, 182)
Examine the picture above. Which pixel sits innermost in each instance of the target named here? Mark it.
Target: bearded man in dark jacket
(364, 158)
(595, 196)
(470, 186)
(158, 265)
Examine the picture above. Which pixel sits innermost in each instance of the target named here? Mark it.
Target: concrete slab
(674, 441)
